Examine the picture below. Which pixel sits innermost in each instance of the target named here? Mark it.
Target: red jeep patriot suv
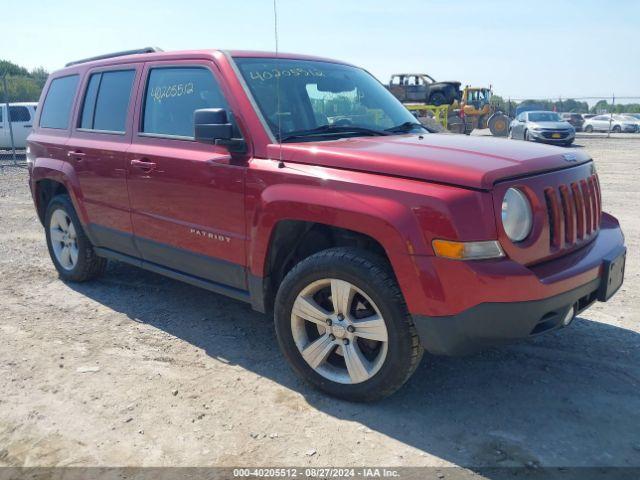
(302, 186)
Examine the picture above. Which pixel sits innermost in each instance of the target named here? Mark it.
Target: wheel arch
(292, 222)
(292, 241)
(51, 177)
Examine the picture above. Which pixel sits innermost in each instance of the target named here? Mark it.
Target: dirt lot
(137, 369)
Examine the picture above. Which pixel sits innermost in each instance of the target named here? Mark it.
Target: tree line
(22, 85)
(568, 105)
(25, 86)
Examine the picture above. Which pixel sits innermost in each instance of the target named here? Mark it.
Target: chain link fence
(590, 116)
(15, 125)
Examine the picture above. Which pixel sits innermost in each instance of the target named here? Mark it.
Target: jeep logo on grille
(570, 157)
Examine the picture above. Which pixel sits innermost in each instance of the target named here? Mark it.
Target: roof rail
(116, 54)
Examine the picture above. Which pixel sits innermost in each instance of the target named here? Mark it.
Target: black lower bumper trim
(490, 324)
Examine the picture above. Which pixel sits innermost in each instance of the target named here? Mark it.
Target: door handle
(75, 153)
(144, 165)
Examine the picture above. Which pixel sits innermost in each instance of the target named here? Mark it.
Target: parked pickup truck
(21, 116)
(420, 87)
(302, 186)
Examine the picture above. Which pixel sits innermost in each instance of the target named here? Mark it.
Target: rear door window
(173, 94)
(19, 114)
(58, 102)
(106, 101)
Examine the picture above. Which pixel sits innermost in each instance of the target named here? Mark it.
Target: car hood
(559, 125)
(474, 162)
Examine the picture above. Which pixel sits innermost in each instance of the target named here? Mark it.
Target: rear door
(100, 137)
(601, 122)
(187, 198)
(416, 89)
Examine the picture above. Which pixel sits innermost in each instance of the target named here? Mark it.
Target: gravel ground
(136, 369)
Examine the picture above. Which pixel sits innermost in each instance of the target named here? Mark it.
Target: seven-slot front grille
(574, 211)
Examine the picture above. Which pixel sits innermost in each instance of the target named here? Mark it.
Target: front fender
(380, 218)
(402, 215)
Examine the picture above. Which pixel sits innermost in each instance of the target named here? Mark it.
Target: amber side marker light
(467, 250)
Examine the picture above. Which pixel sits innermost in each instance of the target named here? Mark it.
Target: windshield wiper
(331, 130)
(405, 127)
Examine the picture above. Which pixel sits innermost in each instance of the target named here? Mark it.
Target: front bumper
(545, 136)
(500, 302)
(491, 324)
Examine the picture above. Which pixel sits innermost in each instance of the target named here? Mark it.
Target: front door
(97, 147)
(187, 198)
(517, 129)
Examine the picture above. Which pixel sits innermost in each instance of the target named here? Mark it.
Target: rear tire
(437, 99)
(383, 337)
(69, 247)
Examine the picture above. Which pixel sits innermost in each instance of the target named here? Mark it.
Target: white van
(22, 115)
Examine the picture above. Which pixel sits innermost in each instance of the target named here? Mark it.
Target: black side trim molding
(196, 264)
(177, 259)
(111, 238)
(232, 292)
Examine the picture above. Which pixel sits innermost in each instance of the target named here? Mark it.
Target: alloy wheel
(339, 331)
(64, 239)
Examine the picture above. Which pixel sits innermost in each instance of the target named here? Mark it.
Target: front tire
(69, 247)
(588, 129)
(342, 324)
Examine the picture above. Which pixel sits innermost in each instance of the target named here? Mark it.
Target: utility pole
(613, 103)
(6, 101)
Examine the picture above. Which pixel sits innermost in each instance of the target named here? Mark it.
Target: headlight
(517, 218)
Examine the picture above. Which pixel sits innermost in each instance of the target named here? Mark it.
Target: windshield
(322, 100)
(543, 117)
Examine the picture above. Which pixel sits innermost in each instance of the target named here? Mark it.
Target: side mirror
(211, 125)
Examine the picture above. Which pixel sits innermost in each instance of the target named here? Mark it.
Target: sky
(525, 49)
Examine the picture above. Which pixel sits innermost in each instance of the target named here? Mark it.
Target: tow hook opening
(555, 319)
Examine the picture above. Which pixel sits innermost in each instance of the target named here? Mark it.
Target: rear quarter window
(173, 94)
(56, 108)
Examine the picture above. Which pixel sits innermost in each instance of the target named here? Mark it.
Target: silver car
(610, 123)
(540, 126)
